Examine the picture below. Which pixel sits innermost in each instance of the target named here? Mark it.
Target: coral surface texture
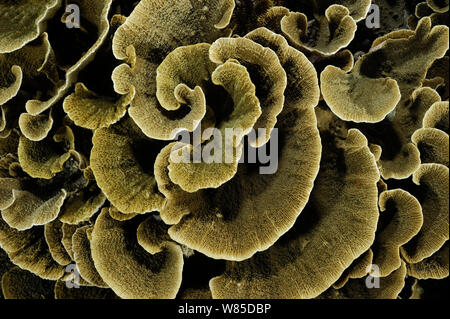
(224, 149)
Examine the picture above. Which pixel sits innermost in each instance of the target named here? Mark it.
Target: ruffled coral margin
(91, 194)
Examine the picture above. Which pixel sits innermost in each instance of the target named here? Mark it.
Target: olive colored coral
(233, 210)
(22, 21)
(304, 262)
(146, 266)
(160, 149)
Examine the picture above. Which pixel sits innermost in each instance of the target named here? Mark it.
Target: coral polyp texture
(224, 149)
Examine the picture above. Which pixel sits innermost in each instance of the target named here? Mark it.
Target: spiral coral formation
(100, 188)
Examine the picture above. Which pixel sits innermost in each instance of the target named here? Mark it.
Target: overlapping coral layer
(94, 96)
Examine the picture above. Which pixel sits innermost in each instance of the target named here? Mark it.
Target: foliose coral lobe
(223, 149)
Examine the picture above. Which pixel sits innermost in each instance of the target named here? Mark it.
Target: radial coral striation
(117, 172)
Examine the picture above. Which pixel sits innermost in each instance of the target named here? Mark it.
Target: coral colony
(224, 149)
